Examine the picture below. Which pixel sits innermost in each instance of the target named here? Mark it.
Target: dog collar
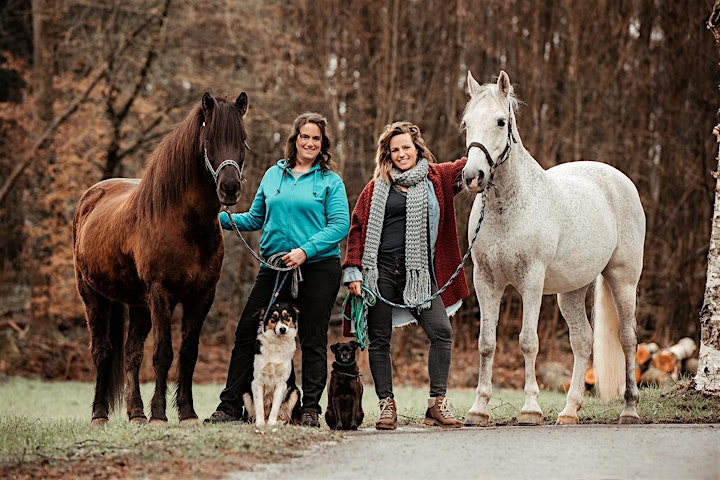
(345, 364)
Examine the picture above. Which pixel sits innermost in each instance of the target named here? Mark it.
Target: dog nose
(283, 329)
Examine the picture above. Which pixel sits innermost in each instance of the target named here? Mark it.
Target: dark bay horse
(143, 246)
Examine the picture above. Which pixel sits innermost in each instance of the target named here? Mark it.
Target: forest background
(89, 88)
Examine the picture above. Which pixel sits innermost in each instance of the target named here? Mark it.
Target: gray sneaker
(218, 416)
(309, 418)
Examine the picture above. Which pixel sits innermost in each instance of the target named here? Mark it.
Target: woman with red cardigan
(403, 245)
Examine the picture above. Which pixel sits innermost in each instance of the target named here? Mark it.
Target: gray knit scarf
(417, 284)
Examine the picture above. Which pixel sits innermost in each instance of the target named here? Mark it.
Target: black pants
(316, 298)
(434, 321)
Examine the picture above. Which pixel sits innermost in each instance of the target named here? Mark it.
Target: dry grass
(45, 429)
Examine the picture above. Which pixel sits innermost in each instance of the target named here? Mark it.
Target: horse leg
(193, 319)
(161, 315)
(138, 330)
(572, 307)
(478, 415)
(624, 293)
(106, 325)
(97, 311)
(530, 413)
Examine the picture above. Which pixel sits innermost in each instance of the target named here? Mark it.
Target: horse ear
(473, 85)
(208, 104)
(503, 83)
(242, 103)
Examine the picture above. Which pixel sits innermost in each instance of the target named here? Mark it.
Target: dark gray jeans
(434, 321)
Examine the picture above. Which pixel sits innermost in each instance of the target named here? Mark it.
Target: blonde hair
(383, 160)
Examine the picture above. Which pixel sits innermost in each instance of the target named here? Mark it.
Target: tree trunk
(43, 97)
(42, 63)
(707, 378)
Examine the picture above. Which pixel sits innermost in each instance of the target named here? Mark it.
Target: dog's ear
(334, 347)
(354, 345)
(296, 310)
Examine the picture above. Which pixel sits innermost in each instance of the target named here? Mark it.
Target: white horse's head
(489, 124)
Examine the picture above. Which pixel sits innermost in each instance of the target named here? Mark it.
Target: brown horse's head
(224, 141)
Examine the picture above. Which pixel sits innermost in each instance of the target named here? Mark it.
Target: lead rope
(358, 311)
(273, 262)
(359, 306)
(276, 292)
(447, 284)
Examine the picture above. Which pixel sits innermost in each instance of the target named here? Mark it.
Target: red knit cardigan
(445, 179)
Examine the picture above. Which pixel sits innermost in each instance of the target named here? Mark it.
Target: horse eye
(501, 122)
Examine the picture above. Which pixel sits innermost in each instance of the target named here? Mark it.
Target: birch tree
(707, 378)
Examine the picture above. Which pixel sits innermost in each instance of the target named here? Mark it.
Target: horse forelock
(489, 89)
(226, 125)
(178, 161)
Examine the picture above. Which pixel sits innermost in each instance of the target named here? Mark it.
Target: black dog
(344, 410)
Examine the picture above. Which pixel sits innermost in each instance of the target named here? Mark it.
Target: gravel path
(677, 452)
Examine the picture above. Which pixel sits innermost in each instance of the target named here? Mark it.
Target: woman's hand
(355, 288)
(294, 258)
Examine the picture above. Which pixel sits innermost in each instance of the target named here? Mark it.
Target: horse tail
(608, 355)
(116, 379)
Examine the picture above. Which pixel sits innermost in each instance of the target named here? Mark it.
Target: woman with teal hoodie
(302, 208)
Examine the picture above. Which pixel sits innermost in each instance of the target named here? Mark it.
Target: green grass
(50, 421)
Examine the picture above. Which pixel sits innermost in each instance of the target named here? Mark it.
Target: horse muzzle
(229, 184)
(475, 180)
(229, 192)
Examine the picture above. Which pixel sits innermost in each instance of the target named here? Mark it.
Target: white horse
(552, 231)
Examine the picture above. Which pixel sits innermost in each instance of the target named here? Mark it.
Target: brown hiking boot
(388, 415)
(439, 414)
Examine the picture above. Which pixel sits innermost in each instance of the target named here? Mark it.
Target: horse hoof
(100, 421)
(530, 418)
(140, 420)
(190, 421)
(158, 421)
(629, 420)
(567, 420)
(477, 420)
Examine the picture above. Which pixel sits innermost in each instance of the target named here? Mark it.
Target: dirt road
(549, 452)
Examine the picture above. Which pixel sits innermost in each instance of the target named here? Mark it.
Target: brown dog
(344, 410)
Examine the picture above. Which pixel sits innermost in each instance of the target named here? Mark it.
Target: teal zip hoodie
(310, 212)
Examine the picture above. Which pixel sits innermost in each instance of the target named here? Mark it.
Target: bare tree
(707, 378)
(601, 80)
